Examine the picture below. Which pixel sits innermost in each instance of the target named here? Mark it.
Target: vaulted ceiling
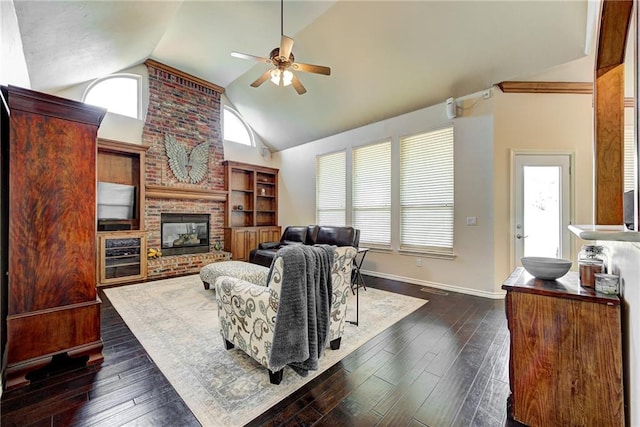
(386, 57)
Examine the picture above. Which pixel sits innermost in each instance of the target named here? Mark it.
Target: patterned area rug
(177, 323)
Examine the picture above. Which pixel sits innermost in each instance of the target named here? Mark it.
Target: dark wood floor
(445, 364)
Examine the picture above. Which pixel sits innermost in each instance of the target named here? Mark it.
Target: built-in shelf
(251, 210)
(617, 233)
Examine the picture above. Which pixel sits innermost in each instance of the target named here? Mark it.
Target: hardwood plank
(407, 400)
(405, 385)
(444, 403)
(340, 390)
(306, 417)
(449, 347)
(491, 410)
(364, 398)
(42, 413)
(298, 401)
(166, 409)
(340, 417)
(478, 389)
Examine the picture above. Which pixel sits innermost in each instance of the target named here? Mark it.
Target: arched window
(235, 129)
(119, 93)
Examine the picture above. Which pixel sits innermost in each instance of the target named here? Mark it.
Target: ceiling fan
(283, 63)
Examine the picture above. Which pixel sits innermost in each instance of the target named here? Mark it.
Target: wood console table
(566, 353)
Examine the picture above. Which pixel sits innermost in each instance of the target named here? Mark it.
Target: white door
(542, 206)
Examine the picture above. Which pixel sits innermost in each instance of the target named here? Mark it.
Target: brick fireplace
(188, 109)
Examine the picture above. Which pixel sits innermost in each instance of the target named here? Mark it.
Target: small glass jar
(607, 283)
(592, 259)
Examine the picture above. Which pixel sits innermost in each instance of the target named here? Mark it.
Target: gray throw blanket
(302, 322)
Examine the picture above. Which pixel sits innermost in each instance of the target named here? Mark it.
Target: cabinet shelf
(255, 189)
(116, 258)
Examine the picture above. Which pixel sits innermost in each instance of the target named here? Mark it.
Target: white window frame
(338, 191)
(226, 108)
(134, 77)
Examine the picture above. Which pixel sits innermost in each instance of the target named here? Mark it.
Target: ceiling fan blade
(251, 57)
(286, 45)
(263, 78)
(298, 86)
(309, 68)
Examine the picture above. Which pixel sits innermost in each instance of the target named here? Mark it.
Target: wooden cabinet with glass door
(123, 256)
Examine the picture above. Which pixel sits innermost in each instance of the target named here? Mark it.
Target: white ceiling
(386, 57)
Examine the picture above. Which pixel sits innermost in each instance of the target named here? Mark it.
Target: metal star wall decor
(190, 168)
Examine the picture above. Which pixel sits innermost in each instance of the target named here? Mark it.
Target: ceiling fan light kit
(281, 77)
(283, 62)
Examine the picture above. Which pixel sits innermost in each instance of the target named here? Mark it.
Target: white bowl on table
(545, 268)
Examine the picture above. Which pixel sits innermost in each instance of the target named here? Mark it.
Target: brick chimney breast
(188, 109)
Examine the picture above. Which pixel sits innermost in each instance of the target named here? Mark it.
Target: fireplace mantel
(162, 192)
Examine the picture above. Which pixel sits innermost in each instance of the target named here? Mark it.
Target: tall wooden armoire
(52, 304)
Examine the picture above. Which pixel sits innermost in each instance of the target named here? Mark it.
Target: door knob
(520, 236)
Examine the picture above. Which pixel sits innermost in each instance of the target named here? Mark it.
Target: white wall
(472, 269)
(13, 66)
(625, 261)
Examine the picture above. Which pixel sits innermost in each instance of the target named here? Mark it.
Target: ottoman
(238, 269)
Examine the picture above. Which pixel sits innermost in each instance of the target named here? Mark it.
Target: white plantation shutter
(331, 189)
(371, 195)
(629, 155)
(426, 191)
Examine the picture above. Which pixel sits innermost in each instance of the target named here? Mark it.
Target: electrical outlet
(472, 220)
(419, 262)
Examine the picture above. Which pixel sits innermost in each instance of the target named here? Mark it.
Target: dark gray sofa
(305, 235)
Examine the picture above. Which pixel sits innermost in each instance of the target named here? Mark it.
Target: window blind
(629, 155)
(371, 193)
(331, 189)
(426, 191)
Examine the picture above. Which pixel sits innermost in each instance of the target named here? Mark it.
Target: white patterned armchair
(247, 311)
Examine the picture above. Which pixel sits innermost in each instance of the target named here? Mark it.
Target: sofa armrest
(341, 281)
(247, 314)
(269, 245)
(228, 288)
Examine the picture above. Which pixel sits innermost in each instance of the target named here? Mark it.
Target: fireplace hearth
(184, 233)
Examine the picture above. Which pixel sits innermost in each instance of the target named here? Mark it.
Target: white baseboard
(484, 294)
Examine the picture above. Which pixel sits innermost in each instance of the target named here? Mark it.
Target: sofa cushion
(339, 236)
(294, 234)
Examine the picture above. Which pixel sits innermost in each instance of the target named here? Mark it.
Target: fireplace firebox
(184, 233)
